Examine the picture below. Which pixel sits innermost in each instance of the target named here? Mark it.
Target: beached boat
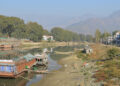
(41, 59)
(14, 67)
(6, 46)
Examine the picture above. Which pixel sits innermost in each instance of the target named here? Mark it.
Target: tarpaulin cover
(2, 68)
(29, 57)
(8, 69)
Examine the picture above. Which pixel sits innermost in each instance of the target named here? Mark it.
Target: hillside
(89, 26)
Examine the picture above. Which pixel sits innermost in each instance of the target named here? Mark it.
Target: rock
(65, 65)
(78, 84)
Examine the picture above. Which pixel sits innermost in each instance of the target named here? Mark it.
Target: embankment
(28, 45)
(72, 73)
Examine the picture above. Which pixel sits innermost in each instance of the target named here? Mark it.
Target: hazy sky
(34, 9)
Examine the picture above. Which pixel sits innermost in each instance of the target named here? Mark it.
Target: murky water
(52, 66)
(32, 78)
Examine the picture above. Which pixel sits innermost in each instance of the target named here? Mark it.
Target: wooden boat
(6, 46)
(13, 68)
(40, 71)
(41, 59)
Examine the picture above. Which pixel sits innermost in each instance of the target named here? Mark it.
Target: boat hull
(20, 68)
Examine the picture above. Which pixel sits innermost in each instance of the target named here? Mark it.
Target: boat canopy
(29, 57)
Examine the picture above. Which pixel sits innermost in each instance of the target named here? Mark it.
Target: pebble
(65, 65)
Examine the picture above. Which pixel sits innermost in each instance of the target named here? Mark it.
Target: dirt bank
(29, 45)
(71, 74)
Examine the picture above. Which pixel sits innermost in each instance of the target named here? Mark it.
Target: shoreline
(51, 74)
(70, 74)
(29, 45)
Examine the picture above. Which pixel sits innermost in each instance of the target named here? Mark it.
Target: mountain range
(89, 26)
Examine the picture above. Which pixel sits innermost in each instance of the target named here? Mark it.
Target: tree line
(17, 28)
(99, 37)
(61, 34)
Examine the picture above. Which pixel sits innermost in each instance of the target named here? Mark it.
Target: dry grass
(99, 51)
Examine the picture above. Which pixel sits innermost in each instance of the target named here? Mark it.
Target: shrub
(82, 55)
(112, 52)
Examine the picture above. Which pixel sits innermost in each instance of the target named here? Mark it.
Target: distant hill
(89, 26)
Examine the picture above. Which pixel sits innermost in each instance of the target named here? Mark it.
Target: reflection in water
(15, 82)
(36, 78)
(15, 54)
(52, 66)
(32, 78)
(67, 48)
(56, 57)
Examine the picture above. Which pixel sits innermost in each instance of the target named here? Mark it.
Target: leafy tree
(82, 37)
(97, 35)
(114, 32)
(60, 34)
(89, 38)
(105, 35)
(45, 32)
(15, 27)
(34, 31)
(20, 32)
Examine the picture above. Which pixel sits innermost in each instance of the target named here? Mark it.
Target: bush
(79, 54)
(82, 55)
(112, 52)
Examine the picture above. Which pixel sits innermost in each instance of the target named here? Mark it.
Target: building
(115, 39)
(109, 40)
(47, 38)
(117, 35)
(87, 50)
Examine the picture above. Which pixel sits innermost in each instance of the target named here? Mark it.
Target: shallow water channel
(32, 78)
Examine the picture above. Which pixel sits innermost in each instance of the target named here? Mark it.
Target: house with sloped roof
(47, 38)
